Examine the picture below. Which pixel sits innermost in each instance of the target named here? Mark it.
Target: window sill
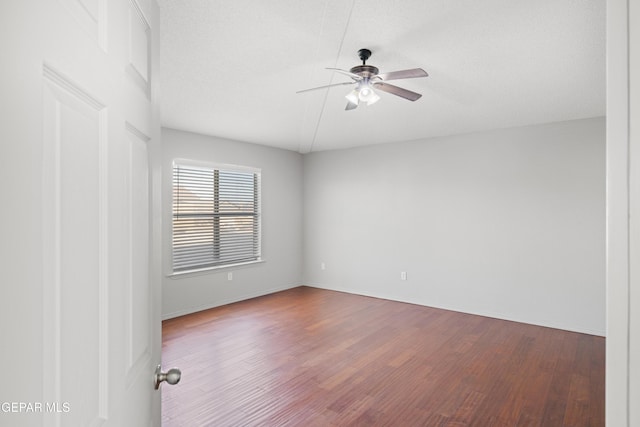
(209, 270)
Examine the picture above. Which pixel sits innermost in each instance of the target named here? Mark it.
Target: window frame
(224, 167)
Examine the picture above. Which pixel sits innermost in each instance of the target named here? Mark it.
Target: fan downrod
(364, 54)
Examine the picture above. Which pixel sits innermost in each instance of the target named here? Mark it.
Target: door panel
(75, 253)
(91, 16)
(139, 48)
(79, 100)
(137, 296)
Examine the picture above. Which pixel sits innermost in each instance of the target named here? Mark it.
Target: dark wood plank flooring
(311, 357)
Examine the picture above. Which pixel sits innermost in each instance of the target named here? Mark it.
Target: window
(216, 216)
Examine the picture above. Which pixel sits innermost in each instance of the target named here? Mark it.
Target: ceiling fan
(366, 78)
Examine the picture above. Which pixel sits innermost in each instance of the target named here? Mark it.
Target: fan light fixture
(365, 93)
(353, 97)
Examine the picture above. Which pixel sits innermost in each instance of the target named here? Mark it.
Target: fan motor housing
(366, 71)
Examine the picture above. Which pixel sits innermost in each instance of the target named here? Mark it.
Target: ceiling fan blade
(351, 106)
(404, 74)
(354, 76)
(395, 90)
(326, 86)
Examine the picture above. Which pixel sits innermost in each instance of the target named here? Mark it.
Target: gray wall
(281, 224)
(508, 223)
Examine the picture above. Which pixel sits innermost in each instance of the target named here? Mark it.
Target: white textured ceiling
(231, 68)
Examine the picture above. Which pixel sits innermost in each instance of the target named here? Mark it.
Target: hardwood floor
(310, 357)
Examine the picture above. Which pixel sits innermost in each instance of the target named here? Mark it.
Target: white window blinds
(216, 216)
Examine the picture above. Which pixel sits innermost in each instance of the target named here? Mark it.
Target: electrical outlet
(322, 266)
(230, 275)
(403, 275)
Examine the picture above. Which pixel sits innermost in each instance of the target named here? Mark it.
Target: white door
(79, 315)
